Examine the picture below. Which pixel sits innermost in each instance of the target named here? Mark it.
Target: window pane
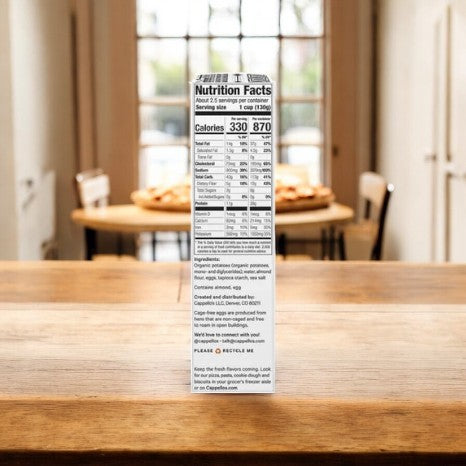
(308, 156)
(162, 165)
(224, 55)
(162, 124)
(302, 17)
(213, 56)
(300, 124)
(224, 17)
(260, 56)
(199, 62)
(266, 10)
(301, 67)
(217, 17)
(162, 67)
(159, 17)
(198, 17)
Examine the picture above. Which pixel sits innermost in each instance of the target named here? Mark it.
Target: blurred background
(101, 87)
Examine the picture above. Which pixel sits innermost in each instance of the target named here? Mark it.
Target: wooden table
(94, 368)
(133, 219)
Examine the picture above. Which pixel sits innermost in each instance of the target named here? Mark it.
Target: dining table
(130, 218)
(95, 368)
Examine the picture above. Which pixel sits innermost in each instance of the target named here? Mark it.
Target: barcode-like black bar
(207, 208)
(215, 77)
(254, 78)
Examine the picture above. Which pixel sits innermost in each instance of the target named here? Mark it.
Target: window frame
(323, 101)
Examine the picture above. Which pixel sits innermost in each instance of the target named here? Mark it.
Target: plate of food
(170, 197)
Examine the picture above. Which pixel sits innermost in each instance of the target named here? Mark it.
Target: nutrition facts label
(233, 177)
(232, 233)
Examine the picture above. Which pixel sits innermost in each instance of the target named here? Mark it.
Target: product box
(233, 234)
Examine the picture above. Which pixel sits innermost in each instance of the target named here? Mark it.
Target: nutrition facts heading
(233, 90)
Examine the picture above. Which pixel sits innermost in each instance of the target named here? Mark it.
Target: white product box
(233, 234)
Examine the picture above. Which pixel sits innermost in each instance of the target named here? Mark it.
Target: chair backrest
(372, 188)
(376, 192)
(93, 188)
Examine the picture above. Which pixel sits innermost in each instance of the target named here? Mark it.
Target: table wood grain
(129, 218)
(297, 282)
(371, 359)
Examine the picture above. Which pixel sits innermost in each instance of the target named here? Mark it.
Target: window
(179, 39)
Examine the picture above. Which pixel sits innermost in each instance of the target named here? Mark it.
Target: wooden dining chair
(93, 188)
(375, 192)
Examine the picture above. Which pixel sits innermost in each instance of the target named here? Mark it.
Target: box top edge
(231, 78)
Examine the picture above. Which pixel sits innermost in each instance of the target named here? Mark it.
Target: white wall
(407, 67)
(42, 119)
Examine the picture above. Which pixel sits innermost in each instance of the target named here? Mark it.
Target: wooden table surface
(371, 361)
(133, 219)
